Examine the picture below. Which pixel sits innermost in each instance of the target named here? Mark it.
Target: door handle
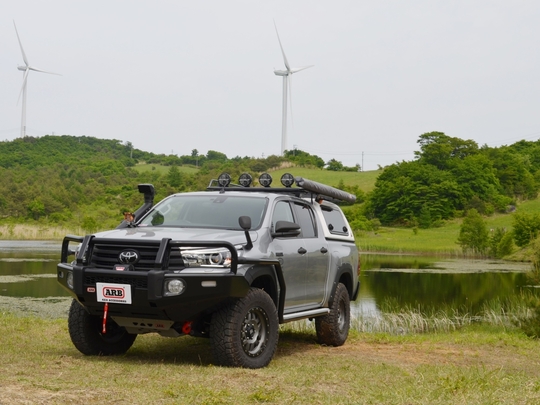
(302, 251)
(324, 250)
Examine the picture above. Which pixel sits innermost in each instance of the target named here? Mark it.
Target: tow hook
(186, 327)
(105, 312)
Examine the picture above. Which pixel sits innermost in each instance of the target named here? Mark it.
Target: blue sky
(172, 76)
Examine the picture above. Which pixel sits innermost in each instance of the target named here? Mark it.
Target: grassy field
(364, 180)
(146, 167)
(440, 241)
(476, 365)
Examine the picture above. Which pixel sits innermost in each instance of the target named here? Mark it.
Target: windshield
(211, 211)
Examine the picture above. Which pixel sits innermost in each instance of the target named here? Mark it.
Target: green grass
(161, 169)
(477, 364)
(440, 241)
(364, 180)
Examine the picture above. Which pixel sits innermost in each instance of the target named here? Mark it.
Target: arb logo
(114, 292)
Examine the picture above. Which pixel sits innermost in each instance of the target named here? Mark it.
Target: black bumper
(147, 296)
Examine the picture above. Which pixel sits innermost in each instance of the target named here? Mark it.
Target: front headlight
(69, 279)
(220, 257)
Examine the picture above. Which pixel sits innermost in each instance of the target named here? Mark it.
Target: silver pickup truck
(230, 264)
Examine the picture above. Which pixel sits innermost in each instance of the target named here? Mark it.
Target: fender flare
(272, 268)
(353, 290)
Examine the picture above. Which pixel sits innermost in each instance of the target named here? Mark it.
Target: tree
(334, 165)
(473, 234)
(36, 209)
(526, 228)
(174, 177)
(216, 156)
(403, 189)
(438, 149)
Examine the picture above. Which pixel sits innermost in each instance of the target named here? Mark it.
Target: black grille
(105, 256)
(135, 282)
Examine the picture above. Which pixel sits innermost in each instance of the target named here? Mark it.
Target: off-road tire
(333, 328)
(85, 332)
(245, 332)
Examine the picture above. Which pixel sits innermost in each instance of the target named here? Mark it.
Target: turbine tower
(26, 68)
(287, 87)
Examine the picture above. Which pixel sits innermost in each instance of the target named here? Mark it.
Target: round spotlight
(174, 287)
(224, 179)
(265, 180)
(245, 179)
(287, 180)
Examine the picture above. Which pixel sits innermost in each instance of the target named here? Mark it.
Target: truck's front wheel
(86, 334)
(245, 332)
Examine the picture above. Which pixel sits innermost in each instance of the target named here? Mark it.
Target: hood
(179, 234)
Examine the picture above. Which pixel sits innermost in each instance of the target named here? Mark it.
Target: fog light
(174, 287)
(69, 279)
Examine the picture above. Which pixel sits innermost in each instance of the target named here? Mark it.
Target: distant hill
(90, 181)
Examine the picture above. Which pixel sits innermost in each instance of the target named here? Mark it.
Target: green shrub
(473, 234)
(526, 228)
(500, 243)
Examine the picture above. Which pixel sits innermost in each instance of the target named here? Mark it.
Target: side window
(282, 212)
(304, 213)
(334, 220)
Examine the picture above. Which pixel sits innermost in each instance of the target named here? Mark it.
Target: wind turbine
(287, 87)
(26, 68)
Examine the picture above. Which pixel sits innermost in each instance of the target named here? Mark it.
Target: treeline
(90, 181)
(450, 176)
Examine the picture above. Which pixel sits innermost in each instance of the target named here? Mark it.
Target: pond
(28, 269)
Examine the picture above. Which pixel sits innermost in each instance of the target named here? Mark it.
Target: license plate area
(114, 293)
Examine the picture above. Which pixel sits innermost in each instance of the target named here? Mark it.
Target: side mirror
(245, 224)
(286, 228)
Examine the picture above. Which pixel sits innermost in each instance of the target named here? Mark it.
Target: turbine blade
(42, 71)
(282, 51)
(23, 85)
(20, 44)
(298, 69)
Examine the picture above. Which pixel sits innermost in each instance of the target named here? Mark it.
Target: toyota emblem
(128, 257)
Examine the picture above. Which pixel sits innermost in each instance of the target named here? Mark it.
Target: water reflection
(431, 283)
(28, 269)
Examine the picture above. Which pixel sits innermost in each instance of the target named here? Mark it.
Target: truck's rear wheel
(333, 328)
(86, 334)
(245, 333)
